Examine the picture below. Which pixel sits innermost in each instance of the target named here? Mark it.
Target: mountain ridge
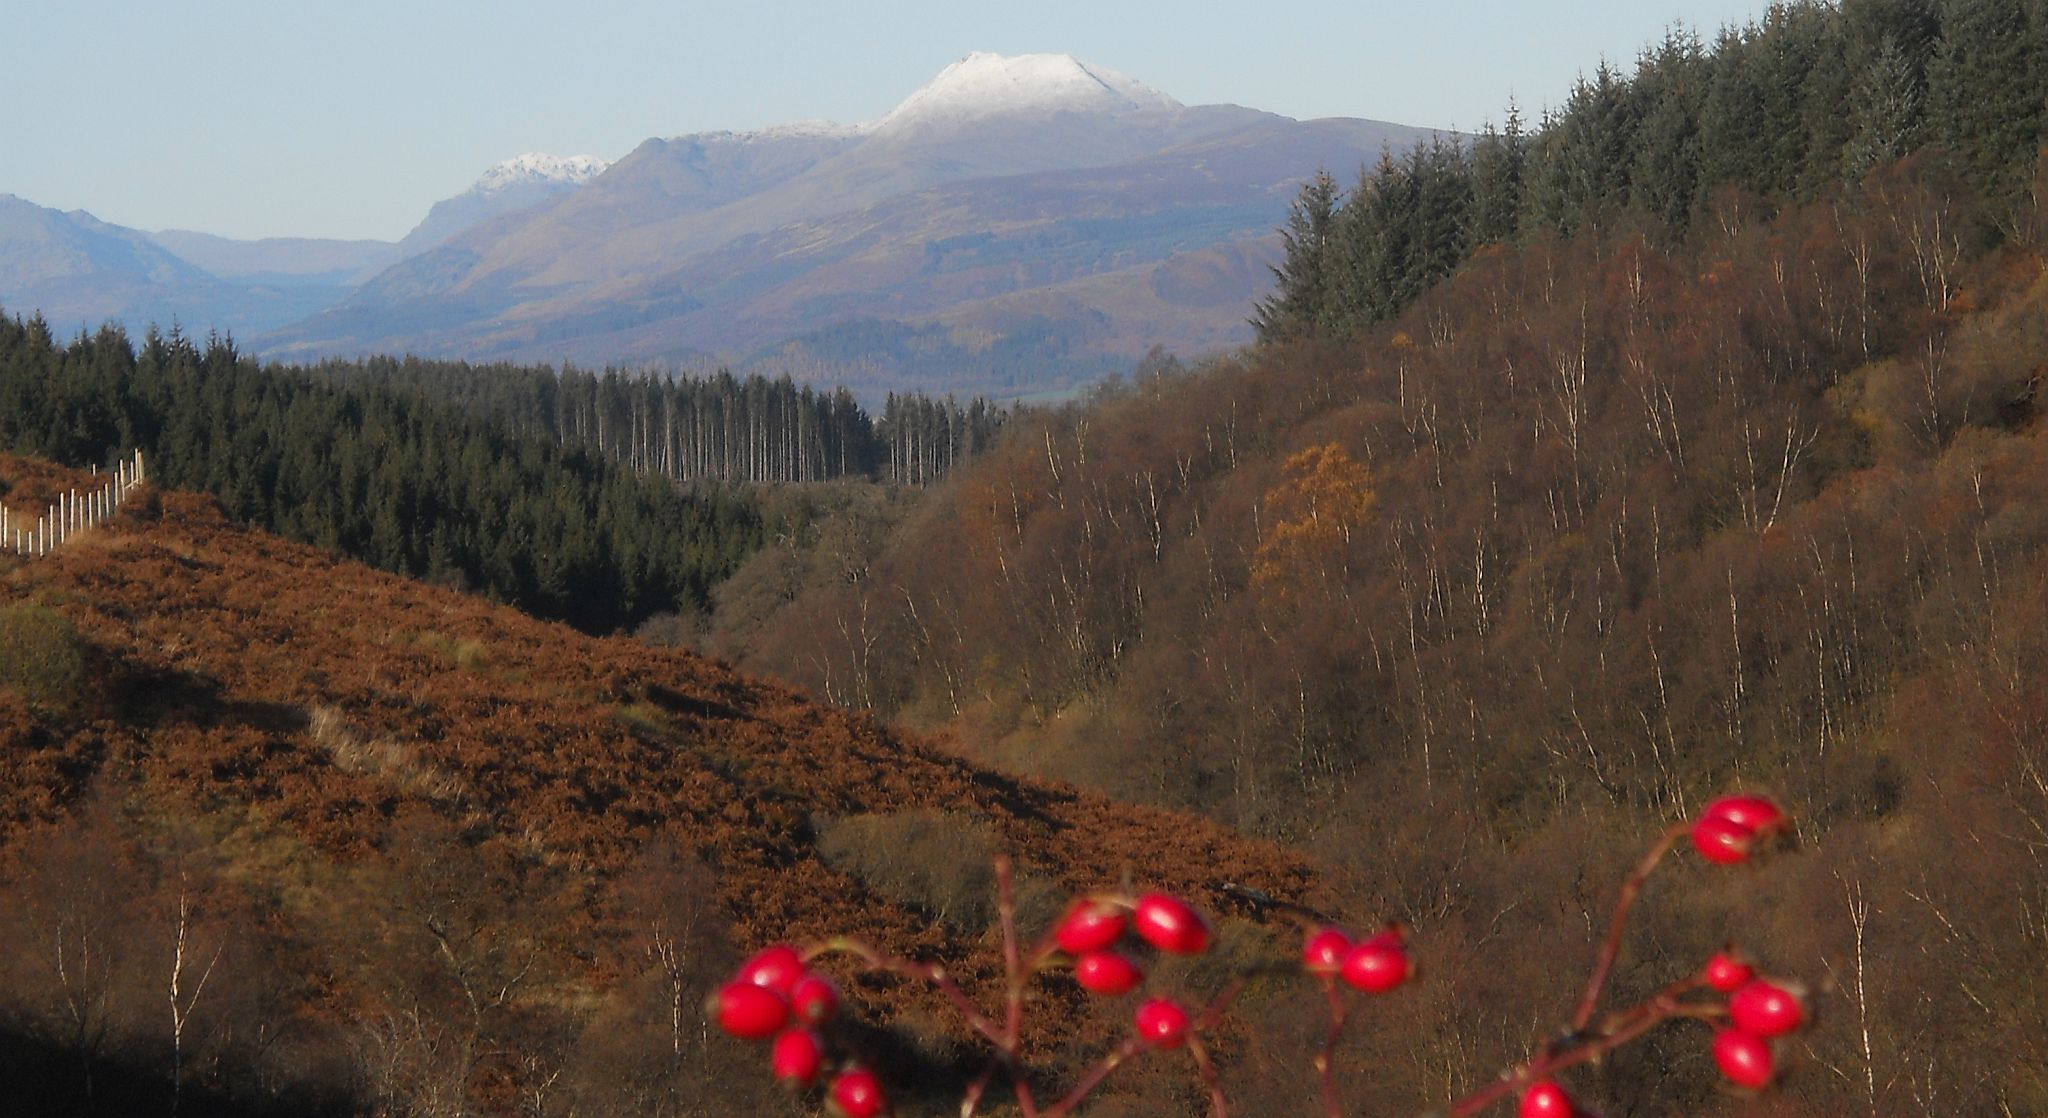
(733, 247)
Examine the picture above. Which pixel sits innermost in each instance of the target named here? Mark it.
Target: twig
(1219, 1107)
(1619, 1030)
(1611, 949)
(1326, 1060)
(916, 972)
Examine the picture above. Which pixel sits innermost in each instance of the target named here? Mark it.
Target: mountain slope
(79, 272)
(280, 260)
(508, 186)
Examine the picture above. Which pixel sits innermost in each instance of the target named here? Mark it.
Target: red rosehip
(1545, 1099)
(1324, 952)
(1171, 924)
(1378, 965)
(1766, 1009)
(1091, 925)
(814, 999)
(777, 968)
(748, 1011)
(1106, 972)
(1722, 840)
(798, 1058)
(1727, 973)
(856, 1093)
(1758, 813)
(1745, 1058)
(1162, 1024)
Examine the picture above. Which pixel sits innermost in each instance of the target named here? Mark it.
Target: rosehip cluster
(1759, 1012)
(1732, 826)
(776, 995)
(1093, 928)
(1374, 965)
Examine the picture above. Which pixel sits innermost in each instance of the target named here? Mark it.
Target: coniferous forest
(1688, 440)
(1788, 109)
(557, 493)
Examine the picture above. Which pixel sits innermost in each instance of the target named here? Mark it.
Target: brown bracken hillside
(327, 761)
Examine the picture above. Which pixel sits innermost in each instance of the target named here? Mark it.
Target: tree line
(719, 428)
(1812, 95)
(386, 475)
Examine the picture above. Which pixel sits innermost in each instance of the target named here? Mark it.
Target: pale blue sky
(348, 118)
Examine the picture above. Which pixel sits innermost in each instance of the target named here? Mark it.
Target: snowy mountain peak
(984, 85)
(539, 167)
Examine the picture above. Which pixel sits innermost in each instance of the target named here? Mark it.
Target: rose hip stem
(1628, 1025)
(1326, 1060)
(1611, 949)
(930, 973)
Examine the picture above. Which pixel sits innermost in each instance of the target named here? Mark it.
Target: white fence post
(73, 511)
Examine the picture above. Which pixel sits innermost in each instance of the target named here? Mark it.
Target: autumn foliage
(1650, 515)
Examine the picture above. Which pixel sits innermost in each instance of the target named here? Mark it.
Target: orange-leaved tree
(1324, 497)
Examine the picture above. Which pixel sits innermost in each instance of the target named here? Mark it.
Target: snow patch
(984, 85)
(540, 167)
(796, 130)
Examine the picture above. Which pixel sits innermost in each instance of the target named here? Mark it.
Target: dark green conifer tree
(1984, 91)
(1498, 158)
(1298, 299)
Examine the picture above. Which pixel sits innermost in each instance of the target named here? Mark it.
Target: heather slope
(359, 752)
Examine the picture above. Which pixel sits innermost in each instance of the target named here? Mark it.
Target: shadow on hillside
(154, 697)
(42, 1079)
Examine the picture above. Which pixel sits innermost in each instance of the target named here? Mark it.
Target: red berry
(856, 1093)
(1722, 840)
(1727, 973)
(1745, 1058)
(814, 999)
(777, 968)
(1378, 965)
(1758, 813)
(748, 1011)
(1171, 924)
(798, 1058)
(1324, 952)
(1545, 1099)
(1091, 925)
(1106, 972)
(1162, 1024)
(1766, 1010)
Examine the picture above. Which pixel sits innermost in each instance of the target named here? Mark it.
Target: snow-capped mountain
(984, 85)
(508, 186)
(1014, 224)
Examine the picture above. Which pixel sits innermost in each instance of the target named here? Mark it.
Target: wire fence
(73, 512)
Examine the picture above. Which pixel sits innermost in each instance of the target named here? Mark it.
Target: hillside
(379, 795)
(1593, 529)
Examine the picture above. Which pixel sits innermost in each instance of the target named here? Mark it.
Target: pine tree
(1984, 94)
(1298, 299)
(1665, 166)
(1498, 159)
(1885, 110)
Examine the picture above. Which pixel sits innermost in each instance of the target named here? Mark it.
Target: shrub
(41, 656)
(935, 861)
